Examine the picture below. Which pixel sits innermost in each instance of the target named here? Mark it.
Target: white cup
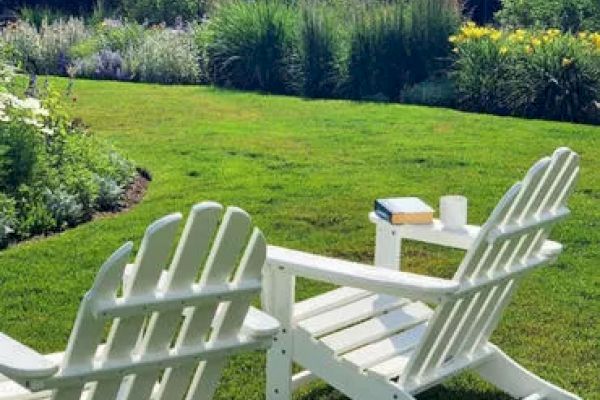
(453, 212)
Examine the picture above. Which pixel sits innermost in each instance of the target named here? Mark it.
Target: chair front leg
(278, 300)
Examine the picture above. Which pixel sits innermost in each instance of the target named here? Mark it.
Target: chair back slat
(87, 331)
(509, 245)
(231, 256)
(230, 241)
(193, 247)
(126, 333)
(229, 322)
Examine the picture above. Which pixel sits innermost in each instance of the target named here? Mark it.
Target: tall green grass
(251, 45)
(319, 47)
(356, 49)
(378, 57)
(397, 44)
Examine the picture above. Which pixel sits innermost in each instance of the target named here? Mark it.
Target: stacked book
(404, 210)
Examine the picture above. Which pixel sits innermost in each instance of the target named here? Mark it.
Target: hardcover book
(404, 210)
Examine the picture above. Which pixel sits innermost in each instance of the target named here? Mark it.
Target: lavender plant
(105, 64)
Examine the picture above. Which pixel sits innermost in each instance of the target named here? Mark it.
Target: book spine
(382, 212)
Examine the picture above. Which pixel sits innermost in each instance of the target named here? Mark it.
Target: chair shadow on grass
(441, 393)
(323, 392)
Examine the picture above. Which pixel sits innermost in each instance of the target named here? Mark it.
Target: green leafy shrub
(8, 219)
(33, 217)
(65, 208)
(251, 45)
(110, 194)
(19, 148)
(113, 35)
(568, 15)
(157, 11)
(438, 91)
(541, 74)
(37, 14)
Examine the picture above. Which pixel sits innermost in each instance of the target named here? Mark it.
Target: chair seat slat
(349, 314)
(377, 328)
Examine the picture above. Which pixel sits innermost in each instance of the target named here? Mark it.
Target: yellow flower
(595, 39)
(566, 62)
(453, 39)
(536, 42)
(495, 36)
(520, 32)
(503, 50)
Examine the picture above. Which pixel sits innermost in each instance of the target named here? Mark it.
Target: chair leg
(279, 368)
(506, 374)
(278, 300)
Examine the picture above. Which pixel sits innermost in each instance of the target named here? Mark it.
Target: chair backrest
(511, 243)
(169, 332)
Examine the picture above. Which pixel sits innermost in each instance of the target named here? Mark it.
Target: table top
(432, 233)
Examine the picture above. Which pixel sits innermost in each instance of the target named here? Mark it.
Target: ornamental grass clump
(378, 58)
(396, 44)
(540, 74)
(164, 56)
(45, 50)
(251, 45)
(319, 51)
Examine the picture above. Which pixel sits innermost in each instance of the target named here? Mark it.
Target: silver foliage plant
(165, 56)
(159, 54)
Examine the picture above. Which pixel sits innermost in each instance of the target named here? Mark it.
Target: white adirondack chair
(170, 334)
(376, 338)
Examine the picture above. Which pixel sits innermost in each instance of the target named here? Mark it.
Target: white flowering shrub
(52, 174)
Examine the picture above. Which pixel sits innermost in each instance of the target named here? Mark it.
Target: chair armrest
(551, 249)
(22, 363)
(347, 273)
(259, 324)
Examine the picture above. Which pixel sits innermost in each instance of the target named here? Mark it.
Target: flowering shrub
(545, 74)
(53, 174)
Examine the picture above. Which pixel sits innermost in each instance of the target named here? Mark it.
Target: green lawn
(308, 172)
